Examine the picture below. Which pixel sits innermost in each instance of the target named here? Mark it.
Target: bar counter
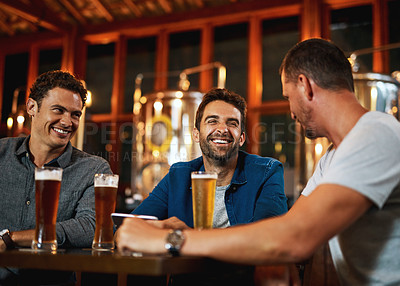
(90, 261)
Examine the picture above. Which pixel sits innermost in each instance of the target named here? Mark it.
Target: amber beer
(47, 193)
(203, 193)
(105, 190)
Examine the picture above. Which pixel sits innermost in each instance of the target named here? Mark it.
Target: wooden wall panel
(161, 82)
(206, 56)
(254, 80)
(380, 35)
(311, 19)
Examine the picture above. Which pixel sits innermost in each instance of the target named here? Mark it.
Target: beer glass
(203, 194)
(105, 191)
(47, 194)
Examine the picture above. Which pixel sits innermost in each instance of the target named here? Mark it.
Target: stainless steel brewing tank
(378, 92)
(164, 123)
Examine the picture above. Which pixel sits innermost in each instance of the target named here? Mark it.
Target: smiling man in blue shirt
(249, 187)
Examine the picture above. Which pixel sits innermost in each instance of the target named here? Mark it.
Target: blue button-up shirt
(256, 191)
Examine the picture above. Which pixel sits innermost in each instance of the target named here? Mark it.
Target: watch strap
(174, 251)
(5, 236)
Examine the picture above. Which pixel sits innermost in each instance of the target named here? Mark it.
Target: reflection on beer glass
(105, 190)
(47, 189)
(203, 193)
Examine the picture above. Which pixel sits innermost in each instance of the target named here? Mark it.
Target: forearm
(254, 243)
(23, 238)
(77, 232)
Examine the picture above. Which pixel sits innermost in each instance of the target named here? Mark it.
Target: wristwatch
(5, 236)
(174, 241)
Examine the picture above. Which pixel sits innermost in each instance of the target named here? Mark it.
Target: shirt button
(28, 203)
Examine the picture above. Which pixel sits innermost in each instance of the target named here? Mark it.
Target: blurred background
(147, 64)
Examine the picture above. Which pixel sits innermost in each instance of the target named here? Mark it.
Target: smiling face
(57, 119)
(220, 134)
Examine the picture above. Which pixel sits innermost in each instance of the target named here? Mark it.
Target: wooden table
(86, 260)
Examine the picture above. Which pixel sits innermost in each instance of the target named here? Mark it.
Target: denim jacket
(256, 191)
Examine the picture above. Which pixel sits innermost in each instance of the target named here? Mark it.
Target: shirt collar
(239, 176)
(61, 161)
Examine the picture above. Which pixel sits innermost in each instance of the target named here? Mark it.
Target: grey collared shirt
(76, 209)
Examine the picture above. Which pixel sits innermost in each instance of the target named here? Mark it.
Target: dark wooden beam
(33, 14)
(165, 5)
(217, 14)
(271, 107)
(133, 7)
(13, 45)
(74, 12)
(103, 10)
(4, 26)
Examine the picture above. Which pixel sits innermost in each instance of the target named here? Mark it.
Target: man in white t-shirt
(352, 200)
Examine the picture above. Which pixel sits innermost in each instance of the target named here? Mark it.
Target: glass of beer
(105, 191)
(203, 194)
(47, 194)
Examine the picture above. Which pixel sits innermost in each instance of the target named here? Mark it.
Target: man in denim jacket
(249, 187)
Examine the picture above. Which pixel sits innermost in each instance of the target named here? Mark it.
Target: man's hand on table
(140, 235)
(169, 223)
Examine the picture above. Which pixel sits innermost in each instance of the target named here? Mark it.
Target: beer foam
(204, 176)
(54, 175)
(104, 180)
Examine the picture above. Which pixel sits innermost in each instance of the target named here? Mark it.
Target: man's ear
(196, 135)
(242, 139)
(305, 85)
(31, 107)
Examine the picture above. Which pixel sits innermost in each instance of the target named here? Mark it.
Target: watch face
(176, 238)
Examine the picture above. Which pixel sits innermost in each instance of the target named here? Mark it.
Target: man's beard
(218, 160)
(310, 131)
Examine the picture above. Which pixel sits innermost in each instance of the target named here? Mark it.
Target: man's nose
(222, 127)
(293, 116)
(66, 120)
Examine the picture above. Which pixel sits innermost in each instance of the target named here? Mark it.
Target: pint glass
(105, 190)
(203, 193)
(47, 194)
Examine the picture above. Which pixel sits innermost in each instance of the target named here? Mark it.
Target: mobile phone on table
(118, 218)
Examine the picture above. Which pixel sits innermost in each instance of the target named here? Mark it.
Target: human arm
(23, 238)
(289, 238)
(76, 215)
(156, 204)
(169, 223)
